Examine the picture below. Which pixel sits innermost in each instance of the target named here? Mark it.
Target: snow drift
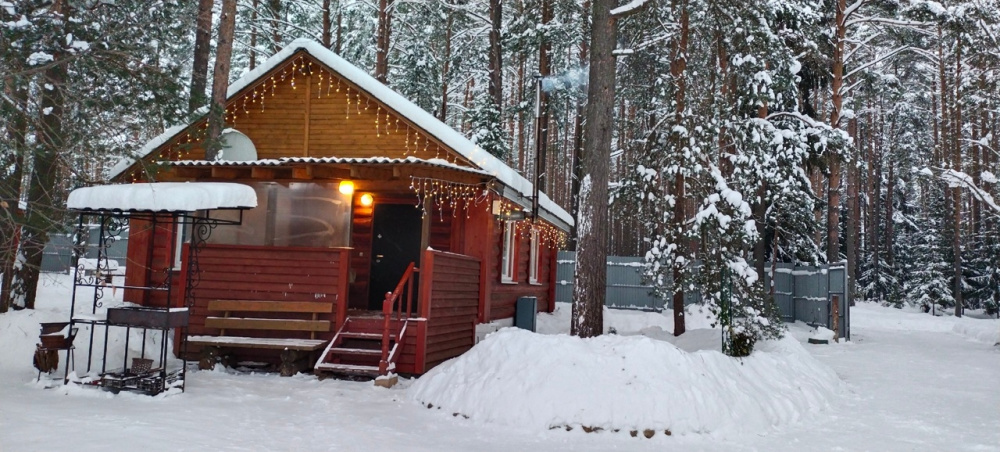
(874, 316)
(613, 382)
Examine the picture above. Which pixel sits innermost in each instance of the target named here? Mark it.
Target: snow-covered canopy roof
(391, 99)
(163, 197)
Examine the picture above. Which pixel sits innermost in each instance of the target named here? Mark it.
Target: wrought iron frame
(111, 224)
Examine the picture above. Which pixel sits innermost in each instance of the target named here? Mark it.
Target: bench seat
(257, 342)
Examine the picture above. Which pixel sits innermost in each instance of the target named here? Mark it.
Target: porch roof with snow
(163, 197)
(516, 187)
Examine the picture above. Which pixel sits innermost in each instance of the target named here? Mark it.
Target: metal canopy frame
(145, 375)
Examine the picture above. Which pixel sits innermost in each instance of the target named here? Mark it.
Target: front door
(396, 233)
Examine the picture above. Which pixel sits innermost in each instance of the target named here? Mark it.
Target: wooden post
(344, 262)
(835, 313)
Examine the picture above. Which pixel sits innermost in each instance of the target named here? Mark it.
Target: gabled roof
(391, 99)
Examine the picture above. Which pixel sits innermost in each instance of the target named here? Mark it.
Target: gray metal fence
(801, 292)
(57, 256)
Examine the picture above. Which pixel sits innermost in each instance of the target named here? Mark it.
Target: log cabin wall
(483, 239)
(504, 295)
(148, 259)
(451, 282)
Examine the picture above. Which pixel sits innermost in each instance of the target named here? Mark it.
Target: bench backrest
(253, 315)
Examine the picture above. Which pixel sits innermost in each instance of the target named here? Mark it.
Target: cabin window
(301, 214)
(533, 259)
(508, 259)
(179, 242)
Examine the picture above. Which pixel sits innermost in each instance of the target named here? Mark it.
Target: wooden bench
(296, 354)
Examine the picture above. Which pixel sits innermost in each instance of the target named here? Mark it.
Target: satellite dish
(236, 147)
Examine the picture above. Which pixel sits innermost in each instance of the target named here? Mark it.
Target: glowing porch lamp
(346, 187)
(367, 199)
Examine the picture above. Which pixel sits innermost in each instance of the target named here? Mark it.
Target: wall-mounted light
(367, 199)
(347, 187)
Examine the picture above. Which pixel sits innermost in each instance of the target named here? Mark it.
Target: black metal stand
(149, 375)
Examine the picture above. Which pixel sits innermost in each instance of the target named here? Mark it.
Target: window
(290, 214)
(533, 260)
(508, 258)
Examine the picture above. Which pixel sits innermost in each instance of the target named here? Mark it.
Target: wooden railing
(393, 307)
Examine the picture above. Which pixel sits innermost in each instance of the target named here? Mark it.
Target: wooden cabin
(363, 197)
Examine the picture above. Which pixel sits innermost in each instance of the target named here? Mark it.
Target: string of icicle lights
(433, 192)
(437, 194)
(547, 234)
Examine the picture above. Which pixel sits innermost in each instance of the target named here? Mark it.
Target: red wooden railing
(393, 306)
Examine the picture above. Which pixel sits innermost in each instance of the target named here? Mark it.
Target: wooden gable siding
(240, 272)
(313, 119)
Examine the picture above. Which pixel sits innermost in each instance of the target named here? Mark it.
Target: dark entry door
(395, 243)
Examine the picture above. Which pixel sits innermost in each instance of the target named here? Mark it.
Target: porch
(437, 321)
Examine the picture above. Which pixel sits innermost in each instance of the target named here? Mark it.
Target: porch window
(533, 259)
(300, 214)
(509, 257)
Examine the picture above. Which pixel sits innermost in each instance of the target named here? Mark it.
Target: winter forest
(731, 134)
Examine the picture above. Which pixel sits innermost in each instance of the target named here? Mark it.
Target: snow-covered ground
(909, 382)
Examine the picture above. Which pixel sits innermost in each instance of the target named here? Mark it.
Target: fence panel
(801, 292)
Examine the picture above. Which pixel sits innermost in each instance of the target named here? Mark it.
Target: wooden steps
(356, 350)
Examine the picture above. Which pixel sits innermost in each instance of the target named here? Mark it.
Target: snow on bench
(258, 342)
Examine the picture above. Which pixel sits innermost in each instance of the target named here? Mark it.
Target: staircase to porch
(368, 346)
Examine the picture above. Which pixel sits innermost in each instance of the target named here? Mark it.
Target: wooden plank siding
(450, 282)
(292, 121)
(289, 274)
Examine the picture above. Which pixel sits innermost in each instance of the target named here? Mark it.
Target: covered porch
(329, 239)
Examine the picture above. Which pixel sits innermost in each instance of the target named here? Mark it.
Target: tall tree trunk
(253, 33)
(890, 226)
(274, 7)
(340, 31)
(852, 219)
(202, 48)
(833, 190)
(956, 192)
(45, 192)
(495, 87)
(382, 39)
(220, 75)
(11, 168)
(577, 161)
(327, 26)
(443, 111)
(590, 275)
(678, 68)
(542, 126)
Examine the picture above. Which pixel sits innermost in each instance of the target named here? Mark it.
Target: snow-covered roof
(393, 100)
(163, 197)
(287, 161)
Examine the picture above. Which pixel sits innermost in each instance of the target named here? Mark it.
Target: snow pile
(613, 382)
(164, 196)
(873, 316)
